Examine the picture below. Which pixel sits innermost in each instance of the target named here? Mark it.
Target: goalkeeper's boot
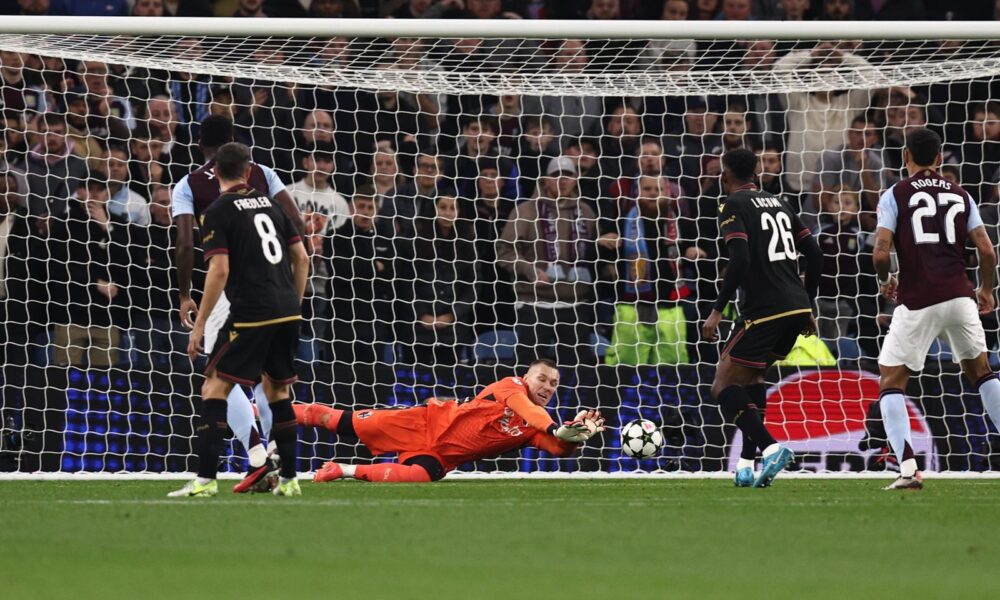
(288, 488)
(329, 472)
(193, 489)
(772, 465)
(261, 479)
(907, 483)
(744, 477)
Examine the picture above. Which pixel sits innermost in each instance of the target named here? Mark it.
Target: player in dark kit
(929, 220)
(257, 256)
(764, 238)
(192, 195)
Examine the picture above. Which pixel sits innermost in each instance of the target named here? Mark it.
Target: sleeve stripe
(802, 234)
(735, 234)
(294, 239)
(215, 251)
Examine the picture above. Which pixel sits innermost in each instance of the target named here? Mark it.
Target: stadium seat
(495, 346)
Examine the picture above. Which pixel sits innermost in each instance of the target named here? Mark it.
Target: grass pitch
(480, 540)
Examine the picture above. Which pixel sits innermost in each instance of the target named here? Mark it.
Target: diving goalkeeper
(438, 437)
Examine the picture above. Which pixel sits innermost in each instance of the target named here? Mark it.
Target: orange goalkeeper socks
(391, 473)
(317, 415)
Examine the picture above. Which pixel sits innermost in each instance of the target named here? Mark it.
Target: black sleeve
(814, 264)
(739, 264)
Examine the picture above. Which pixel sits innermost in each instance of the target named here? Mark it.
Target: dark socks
(758, 397)
(210, 434)
(285, 435)
(736, 406)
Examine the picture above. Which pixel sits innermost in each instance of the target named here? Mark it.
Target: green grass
(508, 540)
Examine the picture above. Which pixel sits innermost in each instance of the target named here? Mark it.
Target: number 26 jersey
(245, 224)
(772, 285)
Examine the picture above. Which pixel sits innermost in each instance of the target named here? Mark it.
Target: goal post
(476, 193)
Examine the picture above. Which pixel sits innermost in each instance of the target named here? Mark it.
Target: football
(641, 438)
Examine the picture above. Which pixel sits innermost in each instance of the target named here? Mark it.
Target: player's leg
(747, 462)
(904, 350)
(968, 345)
(420, 468)
(240, 413)
(210, 434)
(263, 412)
(279, 374)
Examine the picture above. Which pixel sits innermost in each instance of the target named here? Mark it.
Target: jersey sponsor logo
(506, 424)
(361, 416)
(820, 415)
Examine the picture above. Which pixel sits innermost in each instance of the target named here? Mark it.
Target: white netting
(450, 142)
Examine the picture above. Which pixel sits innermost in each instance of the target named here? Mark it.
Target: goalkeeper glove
(585, 425)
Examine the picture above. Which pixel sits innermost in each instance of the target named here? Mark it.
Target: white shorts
(912, 332)
(215, 322)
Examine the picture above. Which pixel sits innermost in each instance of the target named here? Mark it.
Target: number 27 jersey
(245, 224)
(772, 285)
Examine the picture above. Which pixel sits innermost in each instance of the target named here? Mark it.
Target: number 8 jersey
(930, 219)
(255, 233)
(772, 285)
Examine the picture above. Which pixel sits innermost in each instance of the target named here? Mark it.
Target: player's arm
(733, 231)
(888, 213)
(807, 245)
(300, 267)
(217, 255)
(987, 259)
(182, 207)
(553, 445)
(276, 189)
(538, 418)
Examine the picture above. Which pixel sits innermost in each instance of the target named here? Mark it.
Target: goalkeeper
(437, 437)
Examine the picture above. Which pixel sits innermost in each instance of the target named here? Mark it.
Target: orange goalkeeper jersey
(501, 418)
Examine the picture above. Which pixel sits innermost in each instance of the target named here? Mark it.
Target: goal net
(472, 203)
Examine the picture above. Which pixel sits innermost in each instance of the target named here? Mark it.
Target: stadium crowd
(443, 225)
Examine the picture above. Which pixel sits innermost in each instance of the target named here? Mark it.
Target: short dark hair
(741, 163)
(924, 146)
(216, 130)
(231, 161)
(548, 362)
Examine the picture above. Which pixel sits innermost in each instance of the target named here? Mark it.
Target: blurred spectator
(904, 112)
(33, 7)
(124, 202)
(177, 147)
(89, 8)
(16, 92)
(469, 9)
(94, 296)
(735, 129)
(795, 10)
(584, 153)
(147, 8)
(250, 9)
(313, 193)
(52, 170)
(705, 10)
(649, 325)
(416, 197)
(109, 116)
(536, 147)
(981, 151)
(14, 138)
(402, 116)
(548, 245)
(361, 284)
(508, 114)
(331, 9)
(620, 144)
(675, 54)
(412, 9)
(771, 179)
(158, 339)
(888, 10)
(222, 103)
(479, 139)
(736, 10)
(686, 149)
(609, 53)
(264, 120)
(147, 164)
(820, 119)
(495, 288)
(23, 273)
(839, 237)
(765, 114)
(838, 10)
(856, 165)
(191, 93)
(571, 116)
(85, 144)
(625, 190)
(385, 176)
(444, 292)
